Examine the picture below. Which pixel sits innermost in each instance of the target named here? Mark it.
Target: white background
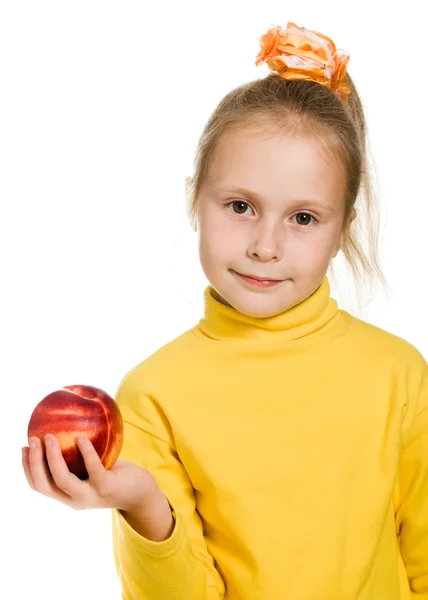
(101, 106)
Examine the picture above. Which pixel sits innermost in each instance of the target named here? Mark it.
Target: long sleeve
(180, 567)
(412, 498)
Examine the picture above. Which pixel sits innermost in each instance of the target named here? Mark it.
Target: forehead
(269, 163)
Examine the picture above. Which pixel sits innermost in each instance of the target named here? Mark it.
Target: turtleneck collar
(315, 314)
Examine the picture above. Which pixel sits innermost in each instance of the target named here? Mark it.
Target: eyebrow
(328, 208)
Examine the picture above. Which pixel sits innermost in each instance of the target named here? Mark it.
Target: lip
(261, 283)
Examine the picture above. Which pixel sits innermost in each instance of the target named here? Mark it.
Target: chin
(260, 307)
(263, 313)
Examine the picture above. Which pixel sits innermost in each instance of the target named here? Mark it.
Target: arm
(155, 522)
(179, 566)
(411, 497)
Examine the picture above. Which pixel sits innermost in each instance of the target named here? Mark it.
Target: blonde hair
(307, 109)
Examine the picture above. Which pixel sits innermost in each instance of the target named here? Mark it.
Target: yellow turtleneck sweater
(294, 452)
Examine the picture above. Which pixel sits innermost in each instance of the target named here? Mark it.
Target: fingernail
(33, 443)
(81, 440)
(48, 440)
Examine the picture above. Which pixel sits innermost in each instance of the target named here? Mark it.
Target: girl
(279, 448)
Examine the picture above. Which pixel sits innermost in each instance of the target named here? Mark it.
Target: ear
(351, 218)
(187, 184)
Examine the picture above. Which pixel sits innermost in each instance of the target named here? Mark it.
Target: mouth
(257, 281)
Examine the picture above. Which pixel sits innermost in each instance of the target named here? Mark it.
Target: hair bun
(300, 53)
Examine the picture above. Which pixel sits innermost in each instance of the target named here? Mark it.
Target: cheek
(215, 246)
(216, 249)
(217, 235)
(309, 253)
(321, 241)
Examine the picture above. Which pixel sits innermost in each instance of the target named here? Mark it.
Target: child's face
(261, 231)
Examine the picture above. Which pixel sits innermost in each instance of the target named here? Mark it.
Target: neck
(312, 316)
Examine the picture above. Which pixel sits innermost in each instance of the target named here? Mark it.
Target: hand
(126, 486)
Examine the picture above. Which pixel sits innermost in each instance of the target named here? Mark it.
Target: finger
(41, 475)
(65, 480)
(26, 465)
(96, 471)
(38, 468)
(42, 479)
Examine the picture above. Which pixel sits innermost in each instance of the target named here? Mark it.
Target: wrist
(146, 504)
(153, 518)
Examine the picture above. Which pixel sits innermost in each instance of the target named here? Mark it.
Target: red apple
(80, 410)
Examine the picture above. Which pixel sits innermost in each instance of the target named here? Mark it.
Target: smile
(255, 282)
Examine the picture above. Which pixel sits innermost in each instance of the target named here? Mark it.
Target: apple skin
(80, 410)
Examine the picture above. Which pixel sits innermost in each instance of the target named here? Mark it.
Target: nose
(266, 244)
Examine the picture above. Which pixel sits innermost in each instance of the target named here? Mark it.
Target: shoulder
(166, 364)
(378, 342)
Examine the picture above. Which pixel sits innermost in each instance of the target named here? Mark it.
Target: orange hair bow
(299, 53)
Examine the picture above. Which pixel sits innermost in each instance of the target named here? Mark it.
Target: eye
(241, 205)
(307, 215)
